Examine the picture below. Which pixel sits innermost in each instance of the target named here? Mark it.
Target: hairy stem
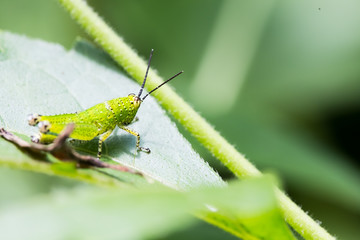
(191, 120)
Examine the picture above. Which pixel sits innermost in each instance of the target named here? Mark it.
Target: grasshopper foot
(44, 126)
(144, 149)
(35, 139)
(33, 119)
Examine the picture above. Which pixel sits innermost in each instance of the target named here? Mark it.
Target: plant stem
(191, 120)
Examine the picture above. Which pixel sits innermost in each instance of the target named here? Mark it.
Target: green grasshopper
(99, 120)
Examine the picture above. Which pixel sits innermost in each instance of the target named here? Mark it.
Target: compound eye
(132, 94)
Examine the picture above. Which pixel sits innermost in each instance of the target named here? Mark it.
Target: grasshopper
(99, 120)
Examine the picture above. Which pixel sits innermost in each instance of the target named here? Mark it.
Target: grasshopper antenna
(147, 70)
(162, 84)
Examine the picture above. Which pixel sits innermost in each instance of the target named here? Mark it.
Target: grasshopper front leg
(103, 137)
(137, 135)
(135, 119)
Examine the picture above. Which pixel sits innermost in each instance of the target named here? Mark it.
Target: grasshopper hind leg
(44, 126)
(33, 119)
(103, 137)
(43, 138)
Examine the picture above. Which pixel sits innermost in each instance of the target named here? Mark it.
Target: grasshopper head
(135, 100)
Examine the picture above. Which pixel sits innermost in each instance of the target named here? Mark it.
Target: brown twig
(62, 151)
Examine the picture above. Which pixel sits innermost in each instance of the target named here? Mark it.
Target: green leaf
(39, 77)
(250, 207)
(150, 213)
(96, 214)
(44, 78)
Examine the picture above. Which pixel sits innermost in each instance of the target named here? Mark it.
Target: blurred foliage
(294, 105)
(86, 212)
